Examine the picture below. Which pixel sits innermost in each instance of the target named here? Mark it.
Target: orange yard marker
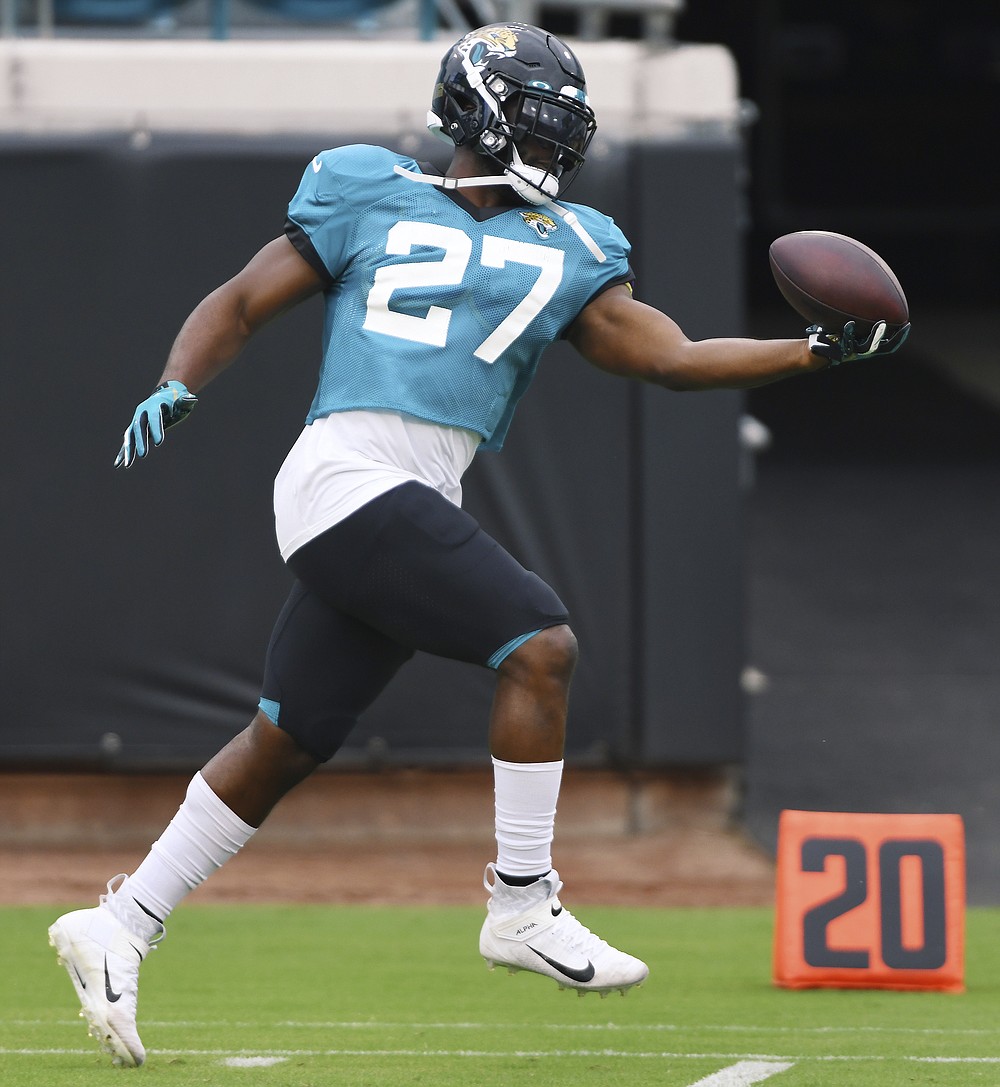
(867, 901)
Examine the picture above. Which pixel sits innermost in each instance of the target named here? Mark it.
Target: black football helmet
(517, 95)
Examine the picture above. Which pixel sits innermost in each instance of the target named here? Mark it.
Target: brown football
(830, 279)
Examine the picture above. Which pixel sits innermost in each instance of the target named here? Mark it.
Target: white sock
(526, 796)
(200, 838)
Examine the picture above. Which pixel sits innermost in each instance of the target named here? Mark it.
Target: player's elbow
(676, 379)
(676, 370)
(232, 312)
(650, 369)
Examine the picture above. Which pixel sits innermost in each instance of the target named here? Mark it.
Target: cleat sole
(581, 990)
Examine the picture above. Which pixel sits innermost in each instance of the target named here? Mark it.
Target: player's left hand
(846, 347)
(169, 404)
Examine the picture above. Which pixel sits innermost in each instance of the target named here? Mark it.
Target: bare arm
(623, 336)
(219, 327)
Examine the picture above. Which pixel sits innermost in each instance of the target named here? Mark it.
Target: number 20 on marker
(870, 901)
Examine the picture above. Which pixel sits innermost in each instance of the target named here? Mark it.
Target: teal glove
(845, 347)
(168, 405)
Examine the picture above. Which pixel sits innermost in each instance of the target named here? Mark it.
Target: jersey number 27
(449, 271)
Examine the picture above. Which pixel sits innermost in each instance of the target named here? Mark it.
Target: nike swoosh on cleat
(584, 975)
(83, 984)
(108, 991)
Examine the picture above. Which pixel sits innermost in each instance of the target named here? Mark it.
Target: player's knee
(548, 656)
(288, 754)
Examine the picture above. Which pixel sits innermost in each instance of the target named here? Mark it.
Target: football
(830, 279)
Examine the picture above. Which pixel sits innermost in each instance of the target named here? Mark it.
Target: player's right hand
(169, 404)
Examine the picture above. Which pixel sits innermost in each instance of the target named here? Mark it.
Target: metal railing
(657, 17)
(10, 17)
(41, 17)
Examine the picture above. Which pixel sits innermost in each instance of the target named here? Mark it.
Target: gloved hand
(169, 404)
(844, 347)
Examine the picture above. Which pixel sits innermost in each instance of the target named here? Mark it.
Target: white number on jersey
(449, 272)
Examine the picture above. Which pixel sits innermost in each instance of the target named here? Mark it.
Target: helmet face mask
(516, 95)
(559, 126)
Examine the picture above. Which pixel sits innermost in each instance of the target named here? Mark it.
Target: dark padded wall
(136, 606)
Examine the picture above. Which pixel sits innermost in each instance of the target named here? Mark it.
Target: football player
(441, 292)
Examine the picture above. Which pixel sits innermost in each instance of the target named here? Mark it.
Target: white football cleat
(527, 928)
(102, 956)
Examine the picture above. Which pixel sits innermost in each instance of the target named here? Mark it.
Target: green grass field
(256, 996)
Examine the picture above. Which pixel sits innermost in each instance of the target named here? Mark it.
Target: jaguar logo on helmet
(481, 45)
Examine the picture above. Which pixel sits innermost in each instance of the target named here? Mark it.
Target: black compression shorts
(408, 571)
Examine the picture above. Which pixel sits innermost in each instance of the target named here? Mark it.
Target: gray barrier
(136, 607)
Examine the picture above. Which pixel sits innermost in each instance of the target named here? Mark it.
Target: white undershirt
(341, 462)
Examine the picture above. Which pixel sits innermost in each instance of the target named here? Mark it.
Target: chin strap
(518, 184)
(450, 182)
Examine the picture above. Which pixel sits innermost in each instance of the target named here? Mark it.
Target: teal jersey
(435, 308)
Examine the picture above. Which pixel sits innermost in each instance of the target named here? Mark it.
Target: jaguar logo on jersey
(541, 224)
(480, 45)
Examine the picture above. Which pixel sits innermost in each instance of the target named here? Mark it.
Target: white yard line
(667, 1028)
(524, 1053)
(743, 1074)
